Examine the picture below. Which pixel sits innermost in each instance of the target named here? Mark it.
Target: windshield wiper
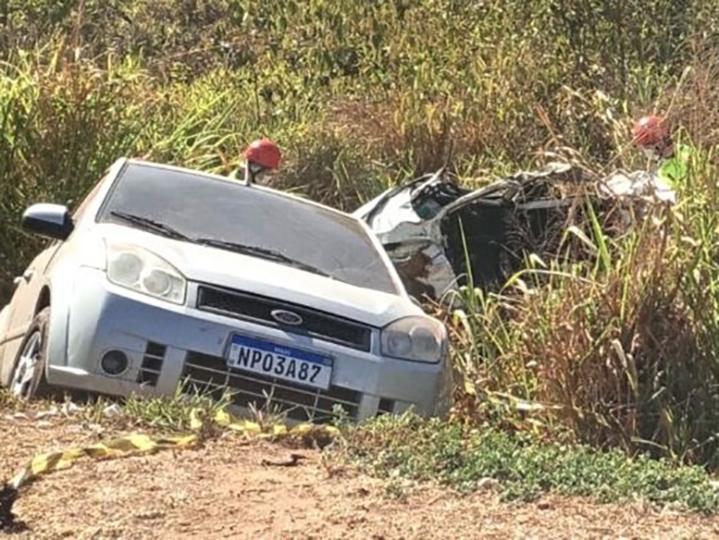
(261, 252)
(151, 225)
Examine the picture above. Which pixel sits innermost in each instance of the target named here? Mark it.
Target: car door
(28, 288)
(21, 310)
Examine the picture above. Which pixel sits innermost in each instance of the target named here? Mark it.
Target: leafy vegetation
(617, 351)
(412, 449)
(167, 413)
(7, 401)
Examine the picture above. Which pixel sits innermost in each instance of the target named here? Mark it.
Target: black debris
(292, 462)
(8, 496)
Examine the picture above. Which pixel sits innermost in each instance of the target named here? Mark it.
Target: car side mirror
(52, 220)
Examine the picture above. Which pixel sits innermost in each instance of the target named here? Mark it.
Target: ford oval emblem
(286, 317)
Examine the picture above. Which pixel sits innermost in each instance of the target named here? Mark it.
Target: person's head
(262, 155)
(653, 136)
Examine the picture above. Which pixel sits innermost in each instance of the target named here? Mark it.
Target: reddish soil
(226, 489)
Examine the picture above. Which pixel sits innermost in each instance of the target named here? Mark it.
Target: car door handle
(27, 276)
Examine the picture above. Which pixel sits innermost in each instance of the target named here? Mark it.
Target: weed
(8, 401)
(268, 414)
(174, 413)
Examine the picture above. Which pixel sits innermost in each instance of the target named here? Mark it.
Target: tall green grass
(619, 349)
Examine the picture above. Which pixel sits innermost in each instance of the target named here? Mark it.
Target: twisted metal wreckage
(431, 227)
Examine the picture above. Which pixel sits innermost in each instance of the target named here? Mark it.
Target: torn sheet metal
(439, 234)
(407, 220)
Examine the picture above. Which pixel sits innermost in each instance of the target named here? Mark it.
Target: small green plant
(8, 402)
(175, 413)
(269, 413)
(341, 418)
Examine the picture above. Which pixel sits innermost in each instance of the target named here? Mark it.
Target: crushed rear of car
(441, 236)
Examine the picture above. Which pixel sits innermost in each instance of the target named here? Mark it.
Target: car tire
(28, 380)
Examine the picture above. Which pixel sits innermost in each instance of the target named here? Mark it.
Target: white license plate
(286, 363)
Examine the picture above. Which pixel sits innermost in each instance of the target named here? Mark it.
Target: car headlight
(142, 271)
(420, 339)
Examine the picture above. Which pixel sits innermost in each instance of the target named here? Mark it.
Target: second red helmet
(650, 130)
(265, 153)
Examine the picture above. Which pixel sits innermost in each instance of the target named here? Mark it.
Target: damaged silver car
(165, 276)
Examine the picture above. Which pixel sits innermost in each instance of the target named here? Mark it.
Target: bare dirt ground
(226, 489)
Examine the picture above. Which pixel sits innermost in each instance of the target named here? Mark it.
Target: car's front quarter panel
(27, 291)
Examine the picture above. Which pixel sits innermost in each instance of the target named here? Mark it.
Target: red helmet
(265, 153)
(650, 131)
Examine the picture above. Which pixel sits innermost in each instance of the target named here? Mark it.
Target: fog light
(114, 362)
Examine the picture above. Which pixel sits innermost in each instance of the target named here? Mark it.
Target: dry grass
(615, 350)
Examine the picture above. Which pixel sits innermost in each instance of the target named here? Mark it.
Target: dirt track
(223, 490)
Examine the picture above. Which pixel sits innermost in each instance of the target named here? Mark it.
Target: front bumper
(173, 346)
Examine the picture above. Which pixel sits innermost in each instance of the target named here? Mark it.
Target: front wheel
(28, 376)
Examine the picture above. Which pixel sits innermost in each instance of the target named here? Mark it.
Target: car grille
(151, 366)
(259, 309)
(210, 373)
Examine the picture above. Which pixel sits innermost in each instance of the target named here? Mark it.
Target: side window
(79, 212)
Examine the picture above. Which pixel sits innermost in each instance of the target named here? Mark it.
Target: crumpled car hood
(263, 277)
